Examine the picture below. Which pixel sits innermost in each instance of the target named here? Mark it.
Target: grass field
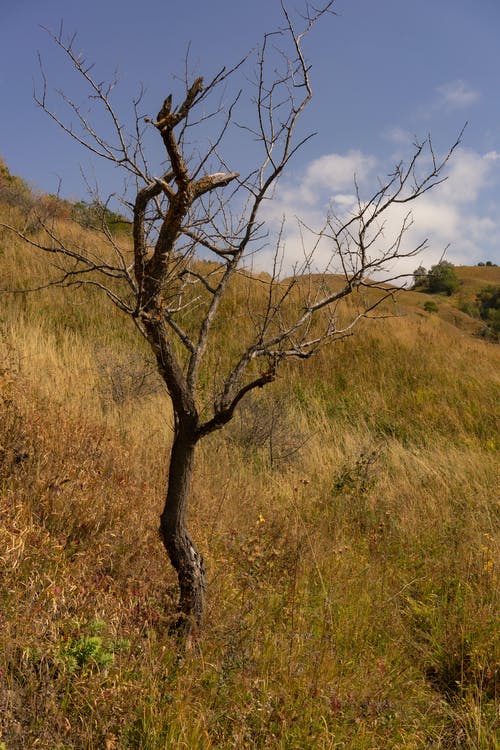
(348, 516)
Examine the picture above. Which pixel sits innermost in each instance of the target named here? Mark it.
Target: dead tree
(196, 225)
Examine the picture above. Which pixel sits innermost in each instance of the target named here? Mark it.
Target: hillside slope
(349, 517)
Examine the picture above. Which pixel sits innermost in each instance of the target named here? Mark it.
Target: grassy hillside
(474, 278)
(451, 309)
(348, 516)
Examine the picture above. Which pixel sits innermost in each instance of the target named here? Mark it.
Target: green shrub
(442, 278)
(420, 278)
(96, 215)
(431, 307)
(469, 308)
(88, 651)
(488, 300)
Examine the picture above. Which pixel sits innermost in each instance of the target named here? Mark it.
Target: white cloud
(468, 174)
(399, 137)
(324, 180)
(345, 201)
(336, 172)
(457, 94)
(450, 215)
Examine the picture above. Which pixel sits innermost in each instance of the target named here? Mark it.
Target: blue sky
(383, 72)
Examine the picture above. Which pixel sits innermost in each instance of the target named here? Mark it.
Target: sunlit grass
(348, 516)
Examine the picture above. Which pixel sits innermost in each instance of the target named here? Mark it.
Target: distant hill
(456, 310)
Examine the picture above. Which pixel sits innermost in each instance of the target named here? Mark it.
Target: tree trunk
(181, 550)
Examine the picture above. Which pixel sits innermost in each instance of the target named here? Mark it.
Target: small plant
(86, 652)
(431, 307)
(90, 652)
(124, 378)
(358, 478)
(267, 427)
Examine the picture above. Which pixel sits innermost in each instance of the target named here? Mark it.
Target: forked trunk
(181, 550)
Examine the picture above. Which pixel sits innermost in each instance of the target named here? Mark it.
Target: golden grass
(348, 516)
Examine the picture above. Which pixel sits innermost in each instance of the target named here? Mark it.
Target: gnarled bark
(183, 554)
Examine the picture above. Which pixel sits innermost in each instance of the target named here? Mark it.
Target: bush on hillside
(488, 301)
(469, 308)
(420, 278)
(442, 278)
(96, 215)
(13, 190)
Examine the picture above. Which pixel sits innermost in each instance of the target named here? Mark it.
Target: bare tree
(198, 224)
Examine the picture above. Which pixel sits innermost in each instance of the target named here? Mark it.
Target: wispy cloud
(398, 136)
(457, 94)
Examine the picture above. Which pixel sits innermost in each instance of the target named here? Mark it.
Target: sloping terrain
(348, 516)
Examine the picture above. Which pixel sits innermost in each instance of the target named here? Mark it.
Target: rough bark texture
(184, 556)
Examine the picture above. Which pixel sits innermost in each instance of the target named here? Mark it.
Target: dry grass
(351, 536)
